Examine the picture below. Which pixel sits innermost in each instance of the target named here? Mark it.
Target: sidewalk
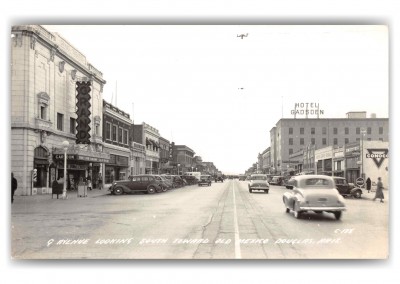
(371, 194)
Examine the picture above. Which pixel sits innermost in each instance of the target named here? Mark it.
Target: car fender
(353, 190)
(124, 188)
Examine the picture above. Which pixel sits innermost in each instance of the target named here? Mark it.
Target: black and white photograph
(200, 142)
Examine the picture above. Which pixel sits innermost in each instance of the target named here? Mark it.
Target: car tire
(338, 215)
(118, 191)
(164, 189)
(266, 191)
(250, 190)
(151, 190)
(357, 194)
(287, 210)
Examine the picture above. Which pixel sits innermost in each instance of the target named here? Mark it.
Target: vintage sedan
(347, 188)
(258, 182)
(316, 193)
(205, 180)
(139, 183)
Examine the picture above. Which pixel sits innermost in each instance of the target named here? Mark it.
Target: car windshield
(259, 178)
(204, 177)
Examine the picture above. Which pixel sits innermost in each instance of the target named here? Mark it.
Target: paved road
(223, 221)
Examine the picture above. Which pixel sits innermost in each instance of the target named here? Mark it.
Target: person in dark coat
(368, 182)
(379, 190)
(14, 186)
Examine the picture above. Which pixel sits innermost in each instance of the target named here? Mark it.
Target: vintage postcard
(199, 142)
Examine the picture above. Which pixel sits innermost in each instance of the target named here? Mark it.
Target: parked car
(258, 182)
(139, 183)
(190, 179)
(167, 183)
(205, 180)
(316, 193)
(177, 181)
(347, 189)
(277, 180)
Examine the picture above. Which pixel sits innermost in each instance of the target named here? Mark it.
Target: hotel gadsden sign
(306, 109)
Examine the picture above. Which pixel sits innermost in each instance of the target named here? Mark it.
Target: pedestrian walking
(100, 182)
(89, 182)
(14, 186)
(368, 182)
(379, 190)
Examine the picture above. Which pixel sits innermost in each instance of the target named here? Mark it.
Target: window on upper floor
(302, 130)
(323, 141)
(290, 141)
(290, 130)
(358, 130)
(43, 111)
(346, 140)
(72, 125)
(334, 141)
(312, 130)
(334, 130)
(380, 130)
(369, 130)
(125, 137)
(114, 132)
(108, 130)
(120, 135)
(312, 141)
(301, 141)
(346, 130)
(290, 151)
(60, 121)
(324, 130)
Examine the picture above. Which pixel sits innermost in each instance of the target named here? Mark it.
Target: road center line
(235, 221)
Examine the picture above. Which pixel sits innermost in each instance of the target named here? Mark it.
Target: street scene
(223, 221)
(199, 142)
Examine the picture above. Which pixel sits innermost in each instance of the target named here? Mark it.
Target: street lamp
(65, 145)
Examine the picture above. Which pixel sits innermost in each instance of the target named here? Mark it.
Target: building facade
(117, 137)
(45, 69)
(184, 158)
(149, 136)
(292, 135)
(165, 159)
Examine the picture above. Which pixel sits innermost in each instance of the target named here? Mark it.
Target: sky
(219, 94)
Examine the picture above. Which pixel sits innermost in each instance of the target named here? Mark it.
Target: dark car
(190, 180)
(242, 177)
(138, 183)
(347, 189)
(277, 180)
(177, 181)
(219, 178)
(205, 180)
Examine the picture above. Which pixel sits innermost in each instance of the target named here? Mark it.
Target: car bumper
(322, 208)
(258, 188)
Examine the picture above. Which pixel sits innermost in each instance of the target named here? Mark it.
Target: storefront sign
(61, 157)
(378, 155)
(92, 159)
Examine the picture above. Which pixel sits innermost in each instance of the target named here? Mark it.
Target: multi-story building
(210, 168)
(165, 152)
(149, 136)
(138, 158)
(183, 158)
(118, 136)
(292, 135)
(264, 161)
(45, 69)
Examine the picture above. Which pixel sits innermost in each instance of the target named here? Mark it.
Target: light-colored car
(258, 182)
(205, 180)
(316, 193)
